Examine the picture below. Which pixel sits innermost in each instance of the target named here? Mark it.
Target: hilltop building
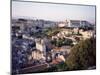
(74, 23)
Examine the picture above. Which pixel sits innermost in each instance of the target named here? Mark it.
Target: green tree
(61, 42)
(83, 55)
(62, 67)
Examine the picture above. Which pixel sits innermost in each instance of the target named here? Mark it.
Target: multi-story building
(74, 23)
(40, 45)
(63, 24)
(37, 55)
(78, 23)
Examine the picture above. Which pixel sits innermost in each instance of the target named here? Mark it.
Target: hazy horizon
(53, 12)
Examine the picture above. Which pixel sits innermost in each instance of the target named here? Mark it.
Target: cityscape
(48, 45)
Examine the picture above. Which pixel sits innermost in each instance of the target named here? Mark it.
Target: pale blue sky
(56, 12)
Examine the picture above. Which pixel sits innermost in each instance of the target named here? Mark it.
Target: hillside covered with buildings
(50, 44)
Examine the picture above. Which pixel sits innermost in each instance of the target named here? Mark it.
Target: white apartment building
(78, 23)
(36, 55)
(40, 45)
(63, 24)
(74, 23)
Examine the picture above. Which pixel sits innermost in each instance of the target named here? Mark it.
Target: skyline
(54, 12)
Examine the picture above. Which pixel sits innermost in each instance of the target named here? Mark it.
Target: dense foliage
(61, 42)
(83, 55)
